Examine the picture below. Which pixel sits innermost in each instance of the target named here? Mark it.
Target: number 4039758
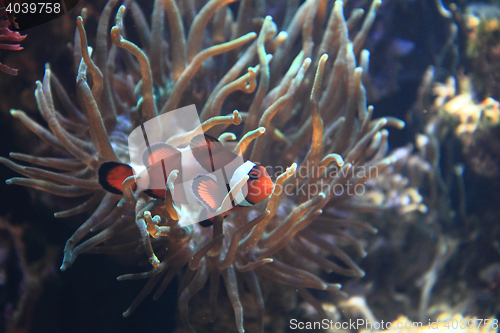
(33, 8)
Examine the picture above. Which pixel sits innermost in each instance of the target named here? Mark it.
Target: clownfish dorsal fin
(157, 152)
(112, 175)
(208, 193)
(210, 153)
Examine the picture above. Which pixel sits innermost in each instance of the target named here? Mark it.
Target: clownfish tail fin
(112, 175)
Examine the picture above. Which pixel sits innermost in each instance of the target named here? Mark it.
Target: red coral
(7, 35)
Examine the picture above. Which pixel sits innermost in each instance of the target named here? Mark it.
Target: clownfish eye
(253, 176)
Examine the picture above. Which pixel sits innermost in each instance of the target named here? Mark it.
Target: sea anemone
(310, 126)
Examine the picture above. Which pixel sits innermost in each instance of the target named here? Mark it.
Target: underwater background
(422, 240)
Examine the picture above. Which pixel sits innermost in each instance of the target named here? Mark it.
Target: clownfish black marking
(196, 164)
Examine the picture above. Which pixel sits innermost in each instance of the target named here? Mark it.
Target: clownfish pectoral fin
(210, 153)
(159, 151)
(112, 175)
(208, 193)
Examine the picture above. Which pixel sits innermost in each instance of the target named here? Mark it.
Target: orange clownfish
(207, 172)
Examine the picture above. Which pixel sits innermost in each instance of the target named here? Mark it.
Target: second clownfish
(207, 172)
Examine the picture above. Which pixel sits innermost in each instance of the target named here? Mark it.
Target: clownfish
(207, 172)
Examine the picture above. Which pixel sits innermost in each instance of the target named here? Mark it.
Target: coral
(7, 35)
(483, 48)
(311, 126)
(443, 261)
(476, 124)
